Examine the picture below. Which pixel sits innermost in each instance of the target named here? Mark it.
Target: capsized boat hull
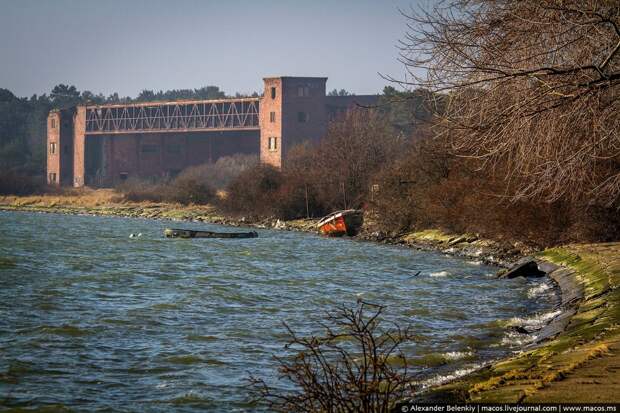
(347, 222)
(188, 233)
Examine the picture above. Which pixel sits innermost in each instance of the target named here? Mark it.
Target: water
(94, 320)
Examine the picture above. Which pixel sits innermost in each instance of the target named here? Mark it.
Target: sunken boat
(189, 233)
(339, 223)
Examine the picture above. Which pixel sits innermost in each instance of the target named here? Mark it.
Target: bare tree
(532, 85)
(354, 367)
(356, 146)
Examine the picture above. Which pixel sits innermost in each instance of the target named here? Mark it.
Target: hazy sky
(125, 46)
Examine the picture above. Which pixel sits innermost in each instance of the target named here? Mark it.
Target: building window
(149, 148)
(273, 143)
(52, 148)
(303, 117)
(53, 123)
(174, 149)
(52, 177)
(303, 91)
(272, 117)
(273, 93)
(123, 176)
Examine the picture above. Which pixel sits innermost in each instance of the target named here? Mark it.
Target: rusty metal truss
(182, 116)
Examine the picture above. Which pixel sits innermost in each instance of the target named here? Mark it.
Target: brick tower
(292, 111)
(60, 147)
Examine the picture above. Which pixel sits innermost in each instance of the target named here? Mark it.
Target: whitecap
(457, 355)
(512, 338)
(439, 274)
(538, 290)
(474, 262)
(535, 322)
(441, 379)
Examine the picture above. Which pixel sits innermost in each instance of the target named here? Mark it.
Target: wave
(512, 338)
(197, 337)
(439, 274)
(457, 355)
(538, 290)
(186, 359)
(65, 330)
(536, 322)
(444, 378)
(193, 399)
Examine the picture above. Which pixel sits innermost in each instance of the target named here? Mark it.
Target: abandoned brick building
(103, 145)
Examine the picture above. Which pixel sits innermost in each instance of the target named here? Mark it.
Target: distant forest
(23, 120)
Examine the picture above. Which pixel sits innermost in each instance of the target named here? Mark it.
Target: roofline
(295, 77)
(170, 102)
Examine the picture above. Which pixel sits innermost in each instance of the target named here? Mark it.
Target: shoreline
(468, 246)
(516, 378)
(569, 358)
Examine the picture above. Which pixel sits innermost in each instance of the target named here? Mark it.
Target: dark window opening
(303, 117)
(149, 148)
(53, 123)
(272, 117)
(52, 177)
(303, 91)
(174, 149)
(273, 93)
(52, 148)
(123, 176)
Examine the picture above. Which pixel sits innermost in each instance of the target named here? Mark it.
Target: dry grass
(82, 197)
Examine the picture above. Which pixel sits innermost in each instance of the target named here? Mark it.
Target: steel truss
(223, 114)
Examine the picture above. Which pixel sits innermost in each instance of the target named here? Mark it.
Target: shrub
(430, 188)
(218, 175)
(189, 190)
(182, 190)
(254, 192)
(355, 366)
(12, 183)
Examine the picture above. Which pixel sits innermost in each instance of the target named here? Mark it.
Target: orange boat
(339, 223)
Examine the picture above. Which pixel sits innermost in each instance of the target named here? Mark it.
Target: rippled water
(97, 321)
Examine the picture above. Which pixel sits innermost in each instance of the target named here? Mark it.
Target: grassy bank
(582, 362)
(105, 202)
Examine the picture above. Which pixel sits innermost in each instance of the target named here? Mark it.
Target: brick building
(102, 145)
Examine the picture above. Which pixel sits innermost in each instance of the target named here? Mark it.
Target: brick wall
(270, 120)
(53, 140)
(60, 147)
(79, 146)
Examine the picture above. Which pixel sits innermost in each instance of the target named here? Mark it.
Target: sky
(126, 46)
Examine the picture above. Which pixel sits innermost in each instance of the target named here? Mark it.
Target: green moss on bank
(566, 364)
